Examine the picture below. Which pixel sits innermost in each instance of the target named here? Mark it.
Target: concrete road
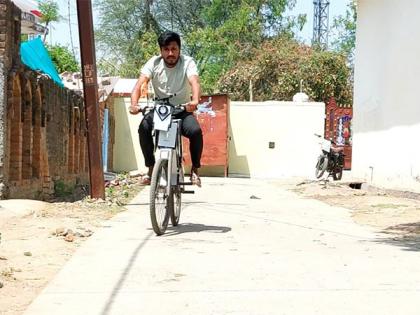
(274, 253)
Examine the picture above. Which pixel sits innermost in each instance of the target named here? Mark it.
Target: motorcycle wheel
(321, 166)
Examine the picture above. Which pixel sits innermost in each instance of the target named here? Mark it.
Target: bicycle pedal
(188, 192)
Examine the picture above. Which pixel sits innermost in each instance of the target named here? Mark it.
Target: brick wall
(42, 126)
(4, 65)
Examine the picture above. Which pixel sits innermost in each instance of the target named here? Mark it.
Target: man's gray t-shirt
(171, 81)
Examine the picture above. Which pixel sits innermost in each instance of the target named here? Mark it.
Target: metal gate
(338, 127)
(212, 115)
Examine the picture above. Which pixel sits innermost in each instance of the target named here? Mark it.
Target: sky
(60, 34)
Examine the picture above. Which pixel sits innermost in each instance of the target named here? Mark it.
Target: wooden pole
(90, 89)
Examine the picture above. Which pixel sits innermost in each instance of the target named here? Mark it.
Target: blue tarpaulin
(34, 54)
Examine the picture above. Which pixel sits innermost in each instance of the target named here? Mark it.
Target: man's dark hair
(166, 37)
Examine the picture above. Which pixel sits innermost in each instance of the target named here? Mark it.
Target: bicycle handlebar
(151, 107)
(164, 98)
(331, 140)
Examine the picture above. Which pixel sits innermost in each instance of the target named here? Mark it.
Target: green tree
(62, 58)
(138, 52)
(266, 16)
(233, 29)
(126, 35)
(214, 32)
(49, 11)
(276, 68)
(344, 28)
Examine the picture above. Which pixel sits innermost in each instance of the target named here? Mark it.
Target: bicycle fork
(167, 154)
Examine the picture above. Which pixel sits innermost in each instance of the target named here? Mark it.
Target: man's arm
(136, 93)
(194, 81)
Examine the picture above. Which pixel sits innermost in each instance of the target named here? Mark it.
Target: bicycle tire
(321, 166)
(175, 202)
(159, 215)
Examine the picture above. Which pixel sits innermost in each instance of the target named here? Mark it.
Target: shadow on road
(148, 203)
(108, 306)
(187, 203)
(410, 241)
(195, 228)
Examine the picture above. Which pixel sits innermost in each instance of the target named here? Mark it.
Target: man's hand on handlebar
(191, 106)
(134, 110)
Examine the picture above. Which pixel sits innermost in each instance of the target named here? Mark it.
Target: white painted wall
(386, 121)
(251, 127)
(127, 152)
(290, 125)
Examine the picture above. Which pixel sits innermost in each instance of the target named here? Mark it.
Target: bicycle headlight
(163, 111)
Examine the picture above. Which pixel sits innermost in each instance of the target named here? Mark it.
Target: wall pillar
(27, 132)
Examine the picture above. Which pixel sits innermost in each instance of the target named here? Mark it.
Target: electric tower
(321, 21)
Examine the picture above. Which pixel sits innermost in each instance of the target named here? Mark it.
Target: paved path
(279, 254)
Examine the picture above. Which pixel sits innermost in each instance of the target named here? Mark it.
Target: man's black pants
(189, 128)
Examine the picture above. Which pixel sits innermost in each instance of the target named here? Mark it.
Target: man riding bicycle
(175, 74)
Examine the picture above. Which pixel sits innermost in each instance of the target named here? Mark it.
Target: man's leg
(191, 129)
(146, 141)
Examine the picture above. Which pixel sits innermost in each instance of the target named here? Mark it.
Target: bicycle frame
(167, 182)
(169, 145)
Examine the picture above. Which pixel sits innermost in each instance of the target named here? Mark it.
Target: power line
(70, 29)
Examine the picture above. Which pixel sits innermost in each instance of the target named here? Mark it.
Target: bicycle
(167, 183)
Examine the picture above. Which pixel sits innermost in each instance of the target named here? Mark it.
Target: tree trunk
(148, 17)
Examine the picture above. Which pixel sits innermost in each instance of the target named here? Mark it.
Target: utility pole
(90, 92)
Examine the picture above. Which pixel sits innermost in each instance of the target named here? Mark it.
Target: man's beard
(171, 62)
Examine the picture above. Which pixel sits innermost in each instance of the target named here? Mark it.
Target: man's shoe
(145, 180)
(195, 179)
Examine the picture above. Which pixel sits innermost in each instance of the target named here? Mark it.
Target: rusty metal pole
(90, 89)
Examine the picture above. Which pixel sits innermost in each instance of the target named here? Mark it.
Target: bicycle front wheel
(321, 166)
(159, 213)
(174, 203)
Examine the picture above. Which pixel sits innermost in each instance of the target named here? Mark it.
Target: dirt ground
(392, 212)
(37, 238)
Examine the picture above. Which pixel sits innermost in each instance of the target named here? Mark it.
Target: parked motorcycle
(331, 160)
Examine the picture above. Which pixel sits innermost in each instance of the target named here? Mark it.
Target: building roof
(124, 87)
(74, 81)
(31, 17)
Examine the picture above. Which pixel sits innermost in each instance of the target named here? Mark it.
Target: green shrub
(278, 66)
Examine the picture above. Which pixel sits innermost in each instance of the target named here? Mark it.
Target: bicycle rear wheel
(159, 213)
(174, 203)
